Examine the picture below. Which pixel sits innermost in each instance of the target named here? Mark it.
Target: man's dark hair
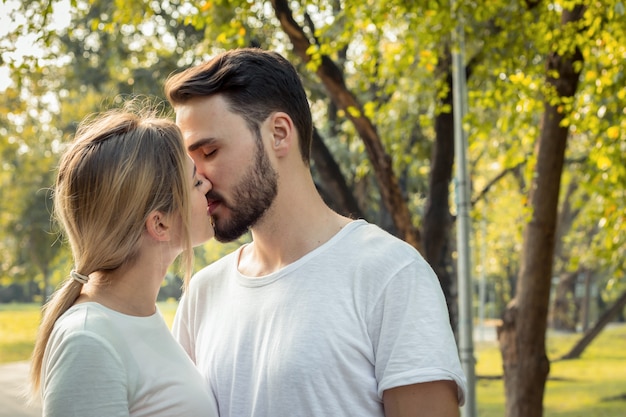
(255, 83)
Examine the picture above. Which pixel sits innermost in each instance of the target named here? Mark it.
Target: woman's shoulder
(85, 321)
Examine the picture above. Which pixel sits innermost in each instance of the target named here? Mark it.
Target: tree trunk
(564, 309)
(333, 81)
(586, 302)
(591, 334)
(437, 219)
(563, 313)
(522, 332)
(334, 188)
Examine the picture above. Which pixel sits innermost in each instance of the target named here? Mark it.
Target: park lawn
(592, 386)
(18, 328)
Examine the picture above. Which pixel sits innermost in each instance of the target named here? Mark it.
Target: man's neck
(279, 241)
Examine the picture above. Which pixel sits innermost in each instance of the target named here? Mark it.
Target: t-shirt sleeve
(411, 332)
(83, 376)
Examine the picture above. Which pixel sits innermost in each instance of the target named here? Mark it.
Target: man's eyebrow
(200, 143)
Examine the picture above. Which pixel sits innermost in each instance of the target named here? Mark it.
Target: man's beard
(252, 196)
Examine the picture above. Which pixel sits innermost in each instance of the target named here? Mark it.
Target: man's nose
(204, 172)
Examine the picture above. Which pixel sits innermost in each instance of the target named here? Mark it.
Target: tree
(590, 334)
(377, 75)
(32, 246)
(522, 341)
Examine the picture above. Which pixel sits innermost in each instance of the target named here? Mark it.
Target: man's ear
(283, 133)
(158, 226)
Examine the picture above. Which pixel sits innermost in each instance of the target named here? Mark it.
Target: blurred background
(544, 123)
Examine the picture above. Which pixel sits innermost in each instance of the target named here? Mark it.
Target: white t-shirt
(324, 336)
(99, 362)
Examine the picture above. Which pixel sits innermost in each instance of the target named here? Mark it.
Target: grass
(18, 328)
(592, 386)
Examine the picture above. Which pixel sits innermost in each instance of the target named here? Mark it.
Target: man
(320, 315)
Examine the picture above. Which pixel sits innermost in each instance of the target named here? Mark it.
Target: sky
(60, 19)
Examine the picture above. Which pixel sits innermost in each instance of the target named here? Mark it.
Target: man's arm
(428, 399)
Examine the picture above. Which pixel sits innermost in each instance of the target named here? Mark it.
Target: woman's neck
(130, 290)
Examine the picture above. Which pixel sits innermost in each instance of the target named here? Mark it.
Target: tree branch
(495, 180)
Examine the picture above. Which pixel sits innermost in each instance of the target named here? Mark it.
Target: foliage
(511, 70)
(394, 58)
(28, 139)
(388, 54)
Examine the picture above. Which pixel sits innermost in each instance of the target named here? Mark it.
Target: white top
(99, 362)
(324, 336)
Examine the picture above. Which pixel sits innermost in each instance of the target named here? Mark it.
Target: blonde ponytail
(58, 304)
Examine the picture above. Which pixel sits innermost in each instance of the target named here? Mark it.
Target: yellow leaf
(424, 54)
(354, 112)
(613, 132)
(370, 109)
(604, 163)
(591, 75)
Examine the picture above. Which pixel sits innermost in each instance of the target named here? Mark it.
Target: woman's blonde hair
(122, 165)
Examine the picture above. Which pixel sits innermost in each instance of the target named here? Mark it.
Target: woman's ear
(158, 226)
(283, 133)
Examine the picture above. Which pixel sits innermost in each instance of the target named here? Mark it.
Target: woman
(129, 201)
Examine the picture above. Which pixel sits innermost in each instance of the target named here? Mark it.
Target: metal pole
(459, 95)
(483, 277)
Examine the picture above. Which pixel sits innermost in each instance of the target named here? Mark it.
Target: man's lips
(211, 206)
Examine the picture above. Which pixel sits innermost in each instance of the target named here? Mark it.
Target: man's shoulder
(370, 237)
(215, 270)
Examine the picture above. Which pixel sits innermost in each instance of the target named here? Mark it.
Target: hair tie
(83, 279)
